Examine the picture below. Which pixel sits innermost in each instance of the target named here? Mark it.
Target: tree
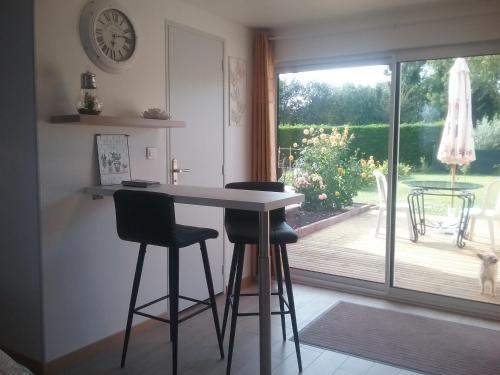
(485, 85)
(321, 103)
(290, 101)
(412, 93)
(436, 75)
(423, 97)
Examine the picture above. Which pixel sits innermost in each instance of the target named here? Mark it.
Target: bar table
(261, 201)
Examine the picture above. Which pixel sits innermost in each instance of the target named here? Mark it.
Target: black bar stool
(242, 228)
(148, 218)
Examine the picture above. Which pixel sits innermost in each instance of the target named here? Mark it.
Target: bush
(313, 188)
(487, 133)
(404, 170)
(331, 174)
(416, 140)
(420, 140)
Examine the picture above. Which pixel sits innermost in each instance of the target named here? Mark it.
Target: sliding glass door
(400, 166)
(448, 177)
(333, 139)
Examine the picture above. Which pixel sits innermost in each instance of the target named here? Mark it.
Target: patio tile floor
(434, 264)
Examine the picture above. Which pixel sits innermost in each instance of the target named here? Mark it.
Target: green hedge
(416, 140)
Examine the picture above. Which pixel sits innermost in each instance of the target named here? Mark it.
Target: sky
(363, 75)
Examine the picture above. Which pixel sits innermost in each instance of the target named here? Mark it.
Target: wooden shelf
(99, 120)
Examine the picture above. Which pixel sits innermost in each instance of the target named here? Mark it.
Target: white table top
(250, 200)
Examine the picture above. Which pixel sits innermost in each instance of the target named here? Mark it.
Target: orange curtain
(264, 128)
(263, 110)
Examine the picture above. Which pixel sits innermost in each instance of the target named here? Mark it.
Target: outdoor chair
(382, 204)
(490, 211)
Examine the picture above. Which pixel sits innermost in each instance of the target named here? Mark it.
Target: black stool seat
(148, 218)
(245, 232)
(242, 228)
(184, 235)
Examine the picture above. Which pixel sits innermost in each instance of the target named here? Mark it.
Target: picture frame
(237, 91)
(113, 158)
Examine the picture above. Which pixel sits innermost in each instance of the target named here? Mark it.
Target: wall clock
(108, 35)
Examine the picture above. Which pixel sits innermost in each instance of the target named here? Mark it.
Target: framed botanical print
(114, 158)
(237, 91)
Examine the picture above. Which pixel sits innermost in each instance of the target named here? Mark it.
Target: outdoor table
(251, 200)
(416, 204)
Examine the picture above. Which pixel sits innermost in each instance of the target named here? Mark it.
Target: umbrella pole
(453, 177)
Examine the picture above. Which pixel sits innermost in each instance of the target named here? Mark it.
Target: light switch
(151, 153)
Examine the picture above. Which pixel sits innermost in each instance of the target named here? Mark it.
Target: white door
(196, 95)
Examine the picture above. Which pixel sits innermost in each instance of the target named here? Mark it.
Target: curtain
(263, 159)
(263, 110)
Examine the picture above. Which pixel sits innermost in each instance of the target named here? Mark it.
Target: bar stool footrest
(281, 297)
(207, 306)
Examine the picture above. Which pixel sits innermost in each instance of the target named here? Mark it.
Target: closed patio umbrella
(457, 142)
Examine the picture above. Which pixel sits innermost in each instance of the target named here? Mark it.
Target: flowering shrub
(338, 173)
(367, 167)
(404, 170)
(313, 188)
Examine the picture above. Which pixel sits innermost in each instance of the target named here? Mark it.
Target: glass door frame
(343, 283)
(452, 304)
(387, 290)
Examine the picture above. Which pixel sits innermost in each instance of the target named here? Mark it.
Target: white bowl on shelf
(156, 113)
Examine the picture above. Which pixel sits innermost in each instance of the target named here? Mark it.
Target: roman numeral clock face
(108, 35)
(115, 35)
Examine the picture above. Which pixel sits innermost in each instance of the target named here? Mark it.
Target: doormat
(414, 342)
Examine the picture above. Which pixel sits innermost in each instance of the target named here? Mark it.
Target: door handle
(181, 170)
(175, 170)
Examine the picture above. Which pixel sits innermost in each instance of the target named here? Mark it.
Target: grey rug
(423, 344)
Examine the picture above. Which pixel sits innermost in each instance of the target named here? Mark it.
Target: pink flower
(322, 197)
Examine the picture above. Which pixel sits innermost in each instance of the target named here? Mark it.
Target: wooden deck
(434, 264)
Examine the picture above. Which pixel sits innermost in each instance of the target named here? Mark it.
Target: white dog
(488, 271)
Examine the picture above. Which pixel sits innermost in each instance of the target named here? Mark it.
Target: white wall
(384, 32)
(20, 263)
(87, 270)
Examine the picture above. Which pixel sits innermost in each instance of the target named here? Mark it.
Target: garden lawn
(433, 204)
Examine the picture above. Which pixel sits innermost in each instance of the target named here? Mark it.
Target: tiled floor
(149, 351)
(434, 264)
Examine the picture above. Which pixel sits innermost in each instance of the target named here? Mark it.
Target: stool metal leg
(236, 302)
(291, 303)
(279, 280)
(133, 299)
(210, 286)
(173, 276)
(230, 286)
